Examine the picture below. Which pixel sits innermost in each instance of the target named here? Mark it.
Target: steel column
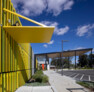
(91, 57)
(68, 62)
(75, 59)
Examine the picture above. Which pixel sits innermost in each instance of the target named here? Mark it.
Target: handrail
(24, 17)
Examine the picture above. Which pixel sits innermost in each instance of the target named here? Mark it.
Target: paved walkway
(62, 83)
(34, 89)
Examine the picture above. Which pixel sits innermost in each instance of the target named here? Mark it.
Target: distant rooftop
(68, 53)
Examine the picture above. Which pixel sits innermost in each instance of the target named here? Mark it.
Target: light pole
(62, 54)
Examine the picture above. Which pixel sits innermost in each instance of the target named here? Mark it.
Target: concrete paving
(42, 89)
(63, 83)
(24, 89)
(34, 89)
(83, 75)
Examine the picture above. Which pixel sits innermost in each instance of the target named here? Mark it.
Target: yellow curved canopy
(30, 34)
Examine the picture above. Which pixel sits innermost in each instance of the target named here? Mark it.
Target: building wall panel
(15, 58)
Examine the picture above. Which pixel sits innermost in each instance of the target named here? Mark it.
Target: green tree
(86, 60)
(91, 60)
(58, 62)
(83, 60)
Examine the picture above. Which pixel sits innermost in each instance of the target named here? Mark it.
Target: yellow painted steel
(0, 33)
(30, 34)
(7, 86)
(3, 82)
(0, 49)
(6, 67)
(0, 82)
(23, 17)
(7, 12)
(9, 83)
(0, 12)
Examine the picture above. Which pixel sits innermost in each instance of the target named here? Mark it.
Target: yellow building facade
(17, 62)
(15, 58)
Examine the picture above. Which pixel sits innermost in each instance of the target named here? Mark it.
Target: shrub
(87, 84)
(37, 77)
(40, 72)
(40, 77)
(44, 78)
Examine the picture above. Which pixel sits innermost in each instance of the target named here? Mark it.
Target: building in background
(58, 58)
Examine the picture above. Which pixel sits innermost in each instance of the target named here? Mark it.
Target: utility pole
(62, 54)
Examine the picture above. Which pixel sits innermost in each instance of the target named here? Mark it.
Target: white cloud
(30, 7)
(57, 6)
(45, 45)
(62, 31)
(36, 7)
(80, 48)
(86, 29)
(77, 48)
(57, 31)
(51, 42)
(68, 5)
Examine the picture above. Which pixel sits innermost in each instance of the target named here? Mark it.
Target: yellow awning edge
(30, 34)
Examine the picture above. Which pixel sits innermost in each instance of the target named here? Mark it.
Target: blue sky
(73, 21)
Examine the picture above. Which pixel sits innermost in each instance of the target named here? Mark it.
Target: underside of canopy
(30, 34)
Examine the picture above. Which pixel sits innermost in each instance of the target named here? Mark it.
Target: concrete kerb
(36, 89)
(54, 89)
